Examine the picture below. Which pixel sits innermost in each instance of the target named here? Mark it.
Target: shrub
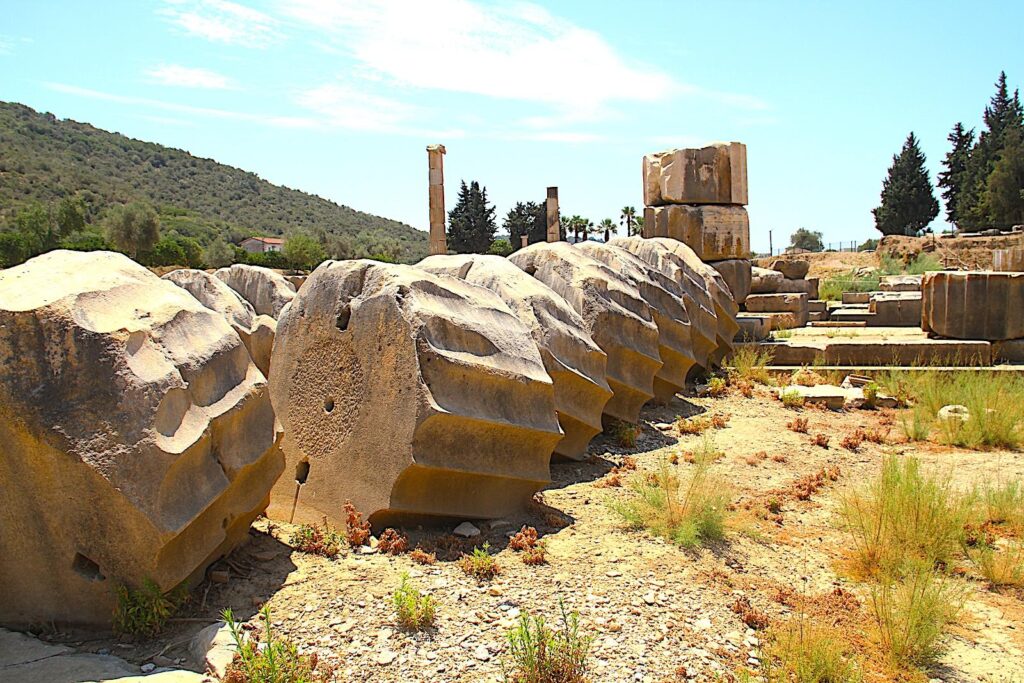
(801, 651)
(1004, 504)
(805, 377)
(800, 425)
(693, 425)
(687, 514)
(748, 614)
(912, 613)
(791, 398)
(357, 532)
(625, 434)
(717, 387)
(392, 542)
(903, 517)
(317, 539)
(274, 660)
(749, 364)
(1000, 565)
(421, 556)
(538, 654)
(143, 612)
(524, 539)
(820, 440)
(852, 442)
(413, 609)
(870, 395)
(719, 421)
(480, 565)
(536, 555)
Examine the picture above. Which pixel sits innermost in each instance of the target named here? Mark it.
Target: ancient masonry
(148, 420)
(698, 196)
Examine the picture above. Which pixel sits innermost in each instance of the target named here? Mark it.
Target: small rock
(954, 412)
(650, 598)
(265, 555)
(466, 530)
(146, 668)
(495, 591)
(385, 657)
(481, 653)
(220, 575)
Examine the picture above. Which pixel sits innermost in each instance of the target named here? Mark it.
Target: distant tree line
(982, 181)
(472, 225)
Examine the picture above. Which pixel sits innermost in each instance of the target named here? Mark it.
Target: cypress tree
(471, 225)
(1004, 192)
(951, 180)
(908, 199)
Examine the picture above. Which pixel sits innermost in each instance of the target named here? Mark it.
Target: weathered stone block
(764, 280)
(138, 438)
(856, 297)
(725, 308)
(792, 269)
(738, 275)
(716, 174)
(215, 294)
(777, 303)
(700, 306)
(260, 342)
(715, 233)
(973, 305)
(615, 313)
(265, 289)
(576, 364)
(900, 283)
(753, 327)
(808, 286)
(410, 394)
(665, 297)
(896, 309)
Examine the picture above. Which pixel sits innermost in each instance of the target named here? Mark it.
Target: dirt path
(657, 613)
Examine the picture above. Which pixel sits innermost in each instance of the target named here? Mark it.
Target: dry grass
(1002, 564)
(270, 658)
(357, 532)
(538, 654)
(821, 440)
(792, 399)
(421, 556)
(481, 565)
(624, 434)
(749, 365)
(803, 651)
(853, 441)
(317, 539)
(392, 542)
(800, 425)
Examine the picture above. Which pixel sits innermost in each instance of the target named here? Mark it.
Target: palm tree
(639, 226)
(628, 219)
(608, 225)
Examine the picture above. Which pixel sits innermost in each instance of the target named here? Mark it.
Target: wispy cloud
(189, 77)
(343, 106)
(222, 21)
(265, 119)
(8, 44)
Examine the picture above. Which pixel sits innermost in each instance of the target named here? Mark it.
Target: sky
(340, 98)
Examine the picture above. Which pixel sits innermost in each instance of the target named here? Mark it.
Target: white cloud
(265, 119)
(8, 44)
(343, 106)
(222, 21)
(519, 52)
(188, 77)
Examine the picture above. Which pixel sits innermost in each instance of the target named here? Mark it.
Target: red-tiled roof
(267, 240)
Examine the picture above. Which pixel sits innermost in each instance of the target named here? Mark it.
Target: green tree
(14, 248)
(526, 218)
(471, 224)
(579, 226)
(628, 219)
(85, 240)
(957, 159)
(70, 215)
(908, 199)
(219, 254)
(869, 244)
(303, 252)
(607, 225)
(38, 229)
(133, 228)
(806, 239)
(1004, 192)
(166, 252)
(500, 247)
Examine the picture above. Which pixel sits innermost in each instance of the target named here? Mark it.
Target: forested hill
(44, 159)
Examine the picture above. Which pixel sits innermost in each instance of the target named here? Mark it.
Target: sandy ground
(657, 612)
(829, 263)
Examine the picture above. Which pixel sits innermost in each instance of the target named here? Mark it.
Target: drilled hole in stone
(343, 317)
(302, 472)
(328, 404)
(86, 568)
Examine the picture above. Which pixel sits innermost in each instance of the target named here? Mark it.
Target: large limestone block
(973, 305)
(725, 307)
(765, 281)
(617, 317)
(792, 269)
(715, 233)
(716, 174)
(900, 283)
(215, 294)
(137, 438)
(700, 305)
(576, 364)
(665, 297)
(260, 342)
(267, 290)
(738, 275)
(410, 394)
(796, 304)
(896, 309)
(808, 286)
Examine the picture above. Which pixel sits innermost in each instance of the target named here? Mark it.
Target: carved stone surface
(573, 360)
(666, 299)
(700, 306)
(137, 439)
(716, 174)
(267, 290)
(715, 233)
(738, 275)
(215, 294)
(615, 314)
(765, 280)
(410, 394)
(973, 305)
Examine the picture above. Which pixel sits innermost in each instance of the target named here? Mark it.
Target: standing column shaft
(435, 160)
(554, 234)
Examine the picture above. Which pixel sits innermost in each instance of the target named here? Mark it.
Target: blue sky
(339, 98)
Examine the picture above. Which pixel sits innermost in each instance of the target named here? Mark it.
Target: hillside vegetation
(44, 161)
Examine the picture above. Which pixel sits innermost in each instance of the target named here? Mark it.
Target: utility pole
(771, 249)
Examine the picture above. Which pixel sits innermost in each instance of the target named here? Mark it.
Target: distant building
(260, 245)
